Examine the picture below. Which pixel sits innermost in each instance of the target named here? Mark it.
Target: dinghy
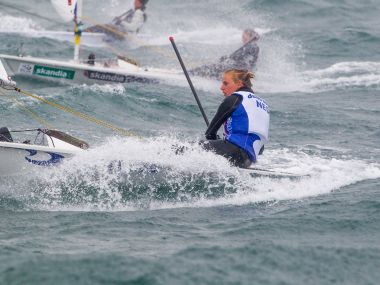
(72, 10)
(49, 148)
(253, 170)
(89, 71)
(65, 9)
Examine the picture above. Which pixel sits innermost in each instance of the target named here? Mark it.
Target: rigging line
(121, 56)
(80, 115)
(30, 112)
(30, 13)
(24, 131)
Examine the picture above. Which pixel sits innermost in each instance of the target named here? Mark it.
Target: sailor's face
(246, 38)
(138, 4)
(228, 85)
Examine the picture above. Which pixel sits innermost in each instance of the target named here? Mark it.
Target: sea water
(131, 211)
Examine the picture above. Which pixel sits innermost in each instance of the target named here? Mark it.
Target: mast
(77, 28)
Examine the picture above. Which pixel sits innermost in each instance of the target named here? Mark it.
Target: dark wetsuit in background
(5, 135)
(243, 58)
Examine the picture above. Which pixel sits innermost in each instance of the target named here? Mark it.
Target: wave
(132, 174)
(339, 76)
(207, 36)
(344, 75)
(279, 69)
(10, 23)
(115, 89)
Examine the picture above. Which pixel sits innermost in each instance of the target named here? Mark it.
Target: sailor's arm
(225, 110)
(117, 20)
(136, 23)
(250, 48)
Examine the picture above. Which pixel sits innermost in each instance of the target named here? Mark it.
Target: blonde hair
(242, 75)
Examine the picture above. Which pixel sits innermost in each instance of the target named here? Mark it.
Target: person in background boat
(243, 58)
(91, 59)
(5, 135)
(132, 20)
(128, 22)
(245, 118)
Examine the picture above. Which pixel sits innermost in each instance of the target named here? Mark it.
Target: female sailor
(246, 121)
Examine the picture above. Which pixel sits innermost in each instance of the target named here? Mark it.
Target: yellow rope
(31, 113)
(80, 115)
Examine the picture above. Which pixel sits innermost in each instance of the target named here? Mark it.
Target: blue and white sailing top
(246, 121)
(248, 126)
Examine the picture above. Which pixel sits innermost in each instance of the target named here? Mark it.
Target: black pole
(189, 80)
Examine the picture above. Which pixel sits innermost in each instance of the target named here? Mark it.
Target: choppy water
(198, 220)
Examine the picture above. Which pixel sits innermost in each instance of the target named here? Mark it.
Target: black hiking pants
(233, 153)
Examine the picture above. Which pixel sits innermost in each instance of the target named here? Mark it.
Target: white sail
(3, 73)
(5, 81)
(65, 8)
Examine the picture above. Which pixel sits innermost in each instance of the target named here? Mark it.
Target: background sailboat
(88, 71)
(65, 10)
(85, 72)
(48, 147)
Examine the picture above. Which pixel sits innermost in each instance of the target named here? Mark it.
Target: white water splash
(215, 35)
(288, 78)
(194, 166)
(325, 176)
(115, 89)
(17, 24)
(344, 75)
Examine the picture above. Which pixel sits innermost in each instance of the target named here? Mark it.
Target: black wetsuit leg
(233, 153)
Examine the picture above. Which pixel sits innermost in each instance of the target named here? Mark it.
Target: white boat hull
(18, 158)
(70, 72)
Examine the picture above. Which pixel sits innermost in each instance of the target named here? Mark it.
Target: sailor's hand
(212, 137)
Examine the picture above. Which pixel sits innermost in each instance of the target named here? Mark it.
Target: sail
(65, 8)
(3, 73)
(5, 81)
